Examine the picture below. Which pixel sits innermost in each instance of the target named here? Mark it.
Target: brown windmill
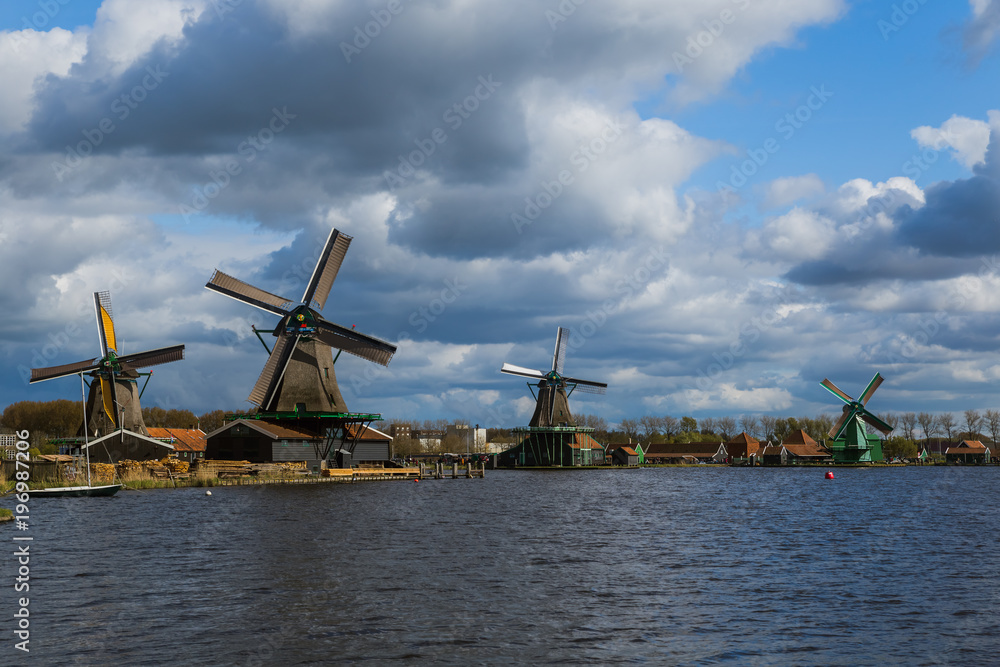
(552, 400)
(113, 400)
(298, 375)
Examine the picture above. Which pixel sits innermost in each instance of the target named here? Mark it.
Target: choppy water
(658, 566)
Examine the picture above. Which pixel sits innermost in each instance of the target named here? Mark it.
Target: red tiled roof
(282, 432)
(970, 445)
(807, 450)
(629, 451)
(742, 445)
(799, 437)
(663, 449)
(183, 439)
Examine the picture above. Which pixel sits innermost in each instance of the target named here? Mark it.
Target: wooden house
(968, 451)
(189, 443)
(686, 452)
(802, 448)
(744, 448)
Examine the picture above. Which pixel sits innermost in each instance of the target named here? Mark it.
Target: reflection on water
(666, 566)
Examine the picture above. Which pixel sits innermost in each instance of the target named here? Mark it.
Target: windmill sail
(552, 401)
(299, 369)
(113, 376)
(330, 259)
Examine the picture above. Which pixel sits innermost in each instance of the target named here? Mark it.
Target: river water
(693, 566)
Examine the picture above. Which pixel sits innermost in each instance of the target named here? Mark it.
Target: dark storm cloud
(961, 218)
(981, 32)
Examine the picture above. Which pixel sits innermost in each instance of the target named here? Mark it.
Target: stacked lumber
(175, 466)
(102, 473)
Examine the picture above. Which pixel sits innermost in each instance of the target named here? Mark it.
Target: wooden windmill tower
(552, 436)
(113, 399)
(850, 441)
(298, 375)
(552, 400)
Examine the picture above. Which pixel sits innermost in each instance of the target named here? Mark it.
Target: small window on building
(326, 373)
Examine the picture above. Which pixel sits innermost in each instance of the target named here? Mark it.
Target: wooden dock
(351, 475)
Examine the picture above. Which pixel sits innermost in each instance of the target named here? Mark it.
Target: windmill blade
(562, 338)
(870, 389)
(839, 426)
(274, 370)
(52, 372)
(326, 269)
(511, 369)
(241, 291)
(163, 355)
(105, 322)
(832, 388)
(587, 386)
(876, 423)
(354, 342)
(109, 399)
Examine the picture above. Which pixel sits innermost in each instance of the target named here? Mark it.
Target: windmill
(113, 401)
(551, 403)
(298, 375)
(850, 442)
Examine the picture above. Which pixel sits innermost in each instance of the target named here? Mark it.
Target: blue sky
(864, 241)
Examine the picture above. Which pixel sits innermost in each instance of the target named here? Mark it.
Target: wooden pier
(351, 475)
(439, 471)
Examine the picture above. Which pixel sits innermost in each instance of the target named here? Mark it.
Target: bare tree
(992, 418)
(768, 425)
(630, 427)
(708, 426)
(726, 426)
(928, 424)
(973, 422)
(946, 421)
(650, 427)
(669, 425)
(750, 424)
(909, 423)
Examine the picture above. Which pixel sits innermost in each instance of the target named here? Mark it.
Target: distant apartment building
(8, 444)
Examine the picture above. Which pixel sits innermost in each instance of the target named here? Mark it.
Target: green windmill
(850, 441)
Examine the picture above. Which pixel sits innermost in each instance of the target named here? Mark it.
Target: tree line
(61, 418)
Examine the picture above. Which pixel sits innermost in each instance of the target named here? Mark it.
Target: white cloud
(27, 55)
(784, 191)
(968, 138)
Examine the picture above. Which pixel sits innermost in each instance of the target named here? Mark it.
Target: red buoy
(829, 474)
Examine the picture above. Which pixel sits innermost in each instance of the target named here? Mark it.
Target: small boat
(76, 491)
(87, 491)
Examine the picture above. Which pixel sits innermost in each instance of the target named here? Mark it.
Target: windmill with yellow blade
(113, 400)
